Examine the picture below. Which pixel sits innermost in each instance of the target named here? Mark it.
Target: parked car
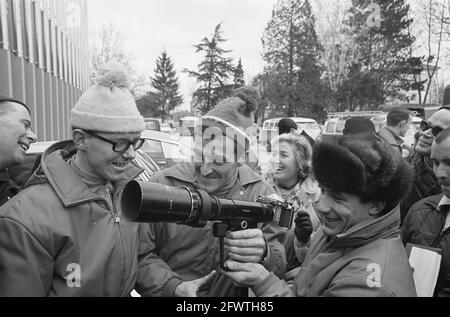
(21, 174)
(166, 149)
(152, 124)
(270, 129)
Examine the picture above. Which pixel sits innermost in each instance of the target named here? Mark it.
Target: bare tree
(108, 45)
(431, 29)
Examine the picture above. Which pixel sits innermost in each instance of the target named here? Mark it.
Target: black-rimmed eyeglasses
(122, 145)
(435, 130)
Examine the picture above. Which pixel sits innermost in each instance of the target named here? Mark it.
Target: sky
(150, 26)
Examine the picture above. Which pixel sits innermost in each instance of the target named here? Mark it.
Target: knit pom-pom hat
(108, 106)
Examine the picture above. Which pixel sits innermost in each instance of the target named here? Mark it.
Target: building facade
(44, 59)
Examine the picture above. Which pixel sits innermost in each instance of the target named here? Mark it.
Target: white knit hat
(108, 106)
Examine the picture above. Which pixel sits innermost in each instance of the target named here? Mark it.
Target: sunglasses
(122, 145)
(425, 126)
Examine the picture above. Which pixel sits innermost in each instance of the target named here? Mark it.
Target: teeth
(23, 146)
(120, 164)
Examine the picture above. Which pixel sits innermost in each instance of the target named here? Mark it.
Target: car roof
(295, 119)
(158, 136)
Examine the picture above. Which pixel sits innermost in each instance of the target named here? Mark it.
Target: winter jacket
(8, 188)
(60, 238)
(175, 253)
(393, 139)
(368, 260)
(302, 198)
(425, 183)
(424, 225)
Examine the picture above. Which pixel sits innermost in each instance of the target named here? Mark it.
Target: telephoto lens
(150, 202)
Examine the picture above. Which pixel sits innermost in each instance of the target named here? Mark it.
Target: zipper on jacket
(117, 221)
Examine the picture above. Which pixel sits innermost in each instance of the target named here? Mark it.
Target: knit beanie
(232, 116)
(108, 106)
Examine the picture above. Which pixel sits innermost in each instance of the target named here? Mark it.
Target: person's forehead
(441, 118)
(15, 107)
(441, 150)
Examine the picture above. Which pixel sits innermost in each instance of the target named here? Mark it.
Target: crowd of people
(357, 203)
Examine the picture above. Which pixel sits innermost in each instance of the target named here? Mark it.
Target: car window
(307, 126)
(155, 151)
(330, 127)
(340, 126)
(152, 125)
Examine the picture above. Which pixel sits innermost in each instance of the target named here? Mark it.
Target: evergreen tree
(292, 52)
(166, 85)
(380, 31)
(239, 75)
(214, 72)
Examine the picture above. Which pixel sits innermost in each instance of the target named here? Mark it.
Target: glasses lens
(424, 126)
(436, 130)
(138, 144)
(122, 145)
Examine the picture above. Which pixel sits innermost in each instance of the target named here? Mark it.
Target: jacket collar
(68, 186)
(387, 226)
(434, 201)
(185, 172)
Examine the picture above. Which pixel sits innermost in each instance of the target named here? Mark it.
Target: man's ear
(376, 207)
(79, 139)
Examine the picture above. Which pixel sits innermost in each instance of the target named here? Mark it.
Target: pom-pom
(111, 75)
(249, 95)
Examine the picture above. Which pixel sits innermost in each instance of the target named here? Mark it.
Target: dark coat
(8, 189)
(423, 225)
(425, 183)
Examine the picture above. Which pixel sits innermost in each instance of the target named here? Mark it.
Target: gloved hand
(303, 227)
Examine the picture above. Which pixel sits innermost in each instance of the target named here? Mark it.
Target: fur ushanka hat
(365, 167)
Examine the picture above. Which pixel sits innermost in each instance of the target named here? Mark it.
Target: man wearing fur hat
(357, 251)
(64, 234)
(182, 260)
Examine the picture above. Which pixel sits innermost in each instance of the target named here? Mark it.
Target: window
(330, 127)
(340, 127)
(12, 33)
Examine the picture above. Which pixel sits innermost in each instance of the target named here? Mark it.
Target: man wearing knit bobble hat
(184, 261)
(64, 234)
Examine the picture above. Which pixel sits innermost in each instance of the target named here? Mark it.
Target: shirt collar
(445, 202)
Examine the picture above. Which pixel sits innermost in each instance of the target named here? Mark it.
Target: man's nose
(130, 153)
(441, 172)
(206, 168)
(31, 136)
(323, 205)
